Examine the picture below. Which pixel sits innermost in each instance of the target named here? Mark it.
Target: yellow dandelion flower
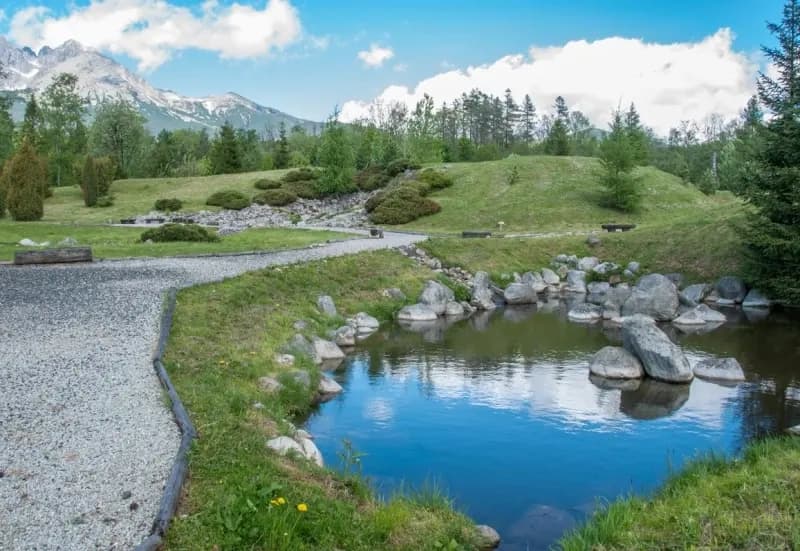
(302, 507)
(273, 502)
(281, 501)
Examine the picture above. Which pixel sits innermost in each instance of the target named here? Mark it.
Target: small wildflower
(302, 507)
(281, 501)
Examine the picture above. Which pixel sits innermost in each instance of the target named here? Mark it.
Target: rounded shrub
(398, 166)
(373, 202)
(266, 183)
(301, 174)
(229, 199)
(275, 197)
(306, 189)
(179, 232)
(435, 178)
(168, 205)
(371, 178)
(402, 205)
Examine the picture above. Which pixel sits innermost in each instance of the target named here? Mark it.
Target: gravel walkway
(86, 438)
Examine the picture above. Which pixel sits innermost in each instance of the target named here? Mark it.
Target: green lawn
(115, 242)
(750, 503)
(224, 338)
(556, 194)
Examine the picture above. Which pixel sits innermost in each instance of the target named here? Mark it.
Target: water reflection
(501, 410)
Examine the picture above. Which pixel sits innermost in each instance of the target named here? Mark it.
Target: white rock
(365, 323)
(285, 445)
(27, 243)
(614, 362)
(719, 369)
(326, 350)
(488, 536)
(587, 263)
(585, 313)
(326, 305)
(310, 450)
(454, 308)
(328, 386)
(417, 312)
(345, 336)
(550, 277)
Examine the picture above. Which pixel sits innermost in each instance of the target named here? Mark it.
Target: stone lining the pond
(661, 358)
(614, 362)
(719, 369)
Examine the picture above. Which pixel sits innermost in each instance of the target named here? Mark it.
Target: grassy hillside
(556, 194)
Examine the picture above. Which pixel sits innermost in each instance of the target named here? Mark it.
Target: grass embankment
(750, 503)
(224, 338)
(115, 242)
(556, 194)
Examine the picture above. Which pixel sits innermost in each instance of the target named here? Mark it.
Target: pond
(498, 410)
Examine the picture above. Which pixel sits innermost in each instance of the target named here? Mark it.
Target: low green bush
(402, 205)
(423, 188)
(303, 188)
(275, 197)
(266, 183)
(229, 199)
(373, 202)
(178, 232)
(168, 205)
(104, 201)
(435, 178)
(398, 166)
(371, 178)
(301, 174)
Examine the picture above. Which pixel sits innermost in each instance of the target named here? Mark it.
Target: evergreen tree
(617, 158)
(6, 130)
(557, 142)
(528, 119)
(22, 184)
(64, 133)
(335, 156)
(89, 182)
(162, 155)
(118, 132)
(281, 158)
(773, 187)
(637, 137)
(511, 116)
(225, 156)
(32, 123)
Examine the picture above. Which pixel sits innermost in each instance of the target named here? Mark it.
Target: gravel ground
(86, 439)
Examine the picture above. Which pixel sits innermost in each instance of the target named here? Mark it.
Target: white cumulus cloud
(150, 31)
(376, 56)
(668, 82)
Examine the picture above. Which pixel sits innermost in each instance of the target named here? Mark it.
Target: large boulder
(755, 299)
(326, 350)
(454, 309)
(576, 281)
(482, 296)
(364, 324)
(417, 312)
(614, 362)
(328, 386)
(436, 296)
(326, 305)
(488, 538)
(719, 369)
(731, 290)
(301, 346)
(535, 280)
(710, 315)
(605, 268)
(550, 277)
(585, 313)
(662, 359)
(285, 445)
(598, 290)
(345, 336)
(587, 263)
(310, 450)
(694, 294)
(520, 293)
(654, 296)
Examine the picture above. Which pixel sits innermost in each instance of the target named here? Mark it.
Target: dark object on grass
(229, 199)
(169, 205)
(618, 227)
(182, 220)
(157, 220)
(376, 232)
(128, 221)
(471, 233)
(179, 232)
(275, 197)
(54, 256)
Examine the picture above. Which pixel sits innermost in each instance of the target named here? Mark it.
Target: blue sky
(426, 38)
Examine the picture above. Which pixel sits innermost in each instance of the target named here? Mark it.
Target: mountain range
(100, 77)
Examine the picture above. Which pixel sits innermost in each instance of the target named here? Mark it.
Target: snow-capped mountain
(101, 77)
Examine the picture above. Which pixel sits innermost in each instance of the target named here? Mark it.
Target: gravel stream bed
(86, 437)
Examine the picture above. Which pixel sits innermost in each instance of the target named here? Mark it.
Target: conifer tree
(528, 119)
(557, 142)
(336, 157)
(22, 183)
(282, 152)
(637, 137)
(89, 182)
(617, 158)
(225, 156)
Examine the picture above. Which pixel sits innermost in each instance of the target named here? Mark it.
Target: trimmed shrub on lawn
(169, 205)
(266, 183)
(402, 205)
(371, 178)
(275, 197)
(229, 199)
(301, 174)
(179, 232)
(434, 178)
(399, 166)
(303, 188)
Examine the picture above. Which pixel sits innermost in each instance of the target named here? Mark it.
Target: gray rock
(661, 358)
(326, 350)
(576, 281)
(587, 263)
(719, 369)
(27, 243)
(302, 433)
(633, 267)
(731, 288)
(605, 268)
(592, 240)
(550, 277)
(615, 384)
(562, 271)
(417, 312)
(585, 313)
(618, 295)
(597, 292)
(68, 242)
(561, 259)
(488, 536)
(755, 299)
(628, 274)
(300, 346)
(534, 280)
(614, 362)
(345, 336)
(284, 360)
(285, 446)
(710, 315)
(694, 294)
(300, 325)
(301, 377)
(520, 293)
(269, 384)
(394, 293)
(676, 279)
(310, 451)
(454, 309)
(328, 386)
(436, 296)
(482, 297)
(692, 317)
(654, 296)
(326, 306)
(364, 323)
(611, 311)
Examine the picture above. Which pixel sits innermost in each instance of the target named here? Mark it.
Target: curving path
(86, 438)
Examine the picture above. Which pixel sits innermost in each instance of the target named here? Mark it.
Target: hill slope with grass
(558, 194)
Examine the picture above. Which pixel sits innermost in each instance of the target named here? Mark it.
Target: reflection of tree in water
(769, 351)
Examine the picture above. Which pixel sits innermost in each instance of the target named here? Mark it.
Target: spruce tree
(336, 157)
(557, 142)
(772, 236)
(281, 159)
(89, 182)
(22, 184)
(6, 130)
(225, 155)
(31, 128)
(637, 137)
(617, 158)
(528, 119)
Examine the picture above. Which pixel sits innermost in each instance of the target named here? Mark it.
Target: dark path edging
(180, 467)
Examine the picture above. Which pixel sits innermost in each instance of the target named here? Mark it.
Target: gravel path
(86, 439)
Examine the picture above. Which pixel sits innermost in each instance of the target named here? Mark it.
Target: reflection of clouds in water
(379, 410)
(559, 389)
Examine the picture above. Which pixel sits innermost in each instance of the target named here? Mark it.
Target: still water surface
(500, 412)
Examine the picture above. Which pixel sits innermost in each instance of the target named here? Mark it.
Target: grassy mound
(168, 205)
(275, 197)
(266, 183)
(178, 232)
(401, 205)
(229, 199)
